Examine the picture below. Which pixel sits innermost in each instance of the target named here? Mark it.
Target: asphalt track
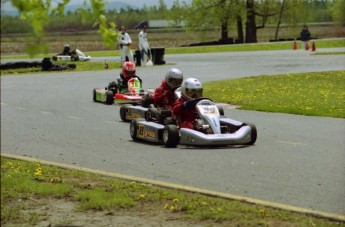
(297, 160)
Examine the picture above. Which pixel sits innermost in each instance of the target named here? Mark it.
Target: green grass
(22, 180)
(312, 94)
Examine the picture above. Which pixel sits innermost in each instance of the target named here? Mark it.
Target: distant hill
(113, 5)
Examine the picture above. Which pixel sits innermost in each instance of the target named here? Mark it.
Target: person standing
(144, 46)
(125, 41)
(305, 37)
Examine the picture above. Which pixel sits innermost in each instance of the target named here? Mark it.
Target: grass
(22, 181)
(312, 94)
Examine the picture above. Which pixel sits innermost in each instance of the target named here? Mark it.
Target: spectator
(305, 37)
(124, 41)
(144, 46)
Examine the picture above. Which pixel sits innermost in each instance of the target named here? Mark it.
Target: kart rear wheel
(253, 133)
(170, 136)
(94, 95)
(133, 128)
(109, 97)
(123, 111)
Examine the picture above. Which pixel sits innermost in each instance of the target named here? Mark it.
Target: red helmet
(128, 69)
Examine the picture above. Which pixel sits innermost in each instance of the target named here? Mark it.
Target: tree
(37, 12)
(205, 15)
(263, 9)
(337, 11)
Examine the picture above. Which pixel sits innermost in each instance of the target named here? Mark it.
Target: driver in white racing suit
(144, 46)
(125, 42)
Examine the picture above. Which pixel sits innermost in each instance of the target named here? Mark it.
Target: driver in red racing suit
(164, 95)
(184, 107)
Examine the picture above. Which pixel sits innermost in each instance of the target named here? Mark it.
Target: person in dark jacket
(305, 37)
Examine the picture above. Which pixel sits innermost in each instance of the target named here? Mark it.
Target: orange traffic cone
(295, 45)
(313, 47)
(306, 45)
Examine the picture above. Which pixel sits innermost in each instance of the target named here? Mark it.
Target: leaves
(38, 11)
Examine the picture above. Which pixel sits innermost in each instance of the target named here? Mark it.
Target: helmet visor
(174, 82)
(194, 93)
(130, 73)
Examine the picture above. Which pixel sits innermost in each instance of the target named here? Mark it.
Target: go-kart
(76, 55)
(148, 110)
(110, 94)
(210, 129)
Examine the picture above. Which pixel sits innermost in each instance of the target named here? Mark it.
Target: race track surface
(297, 160)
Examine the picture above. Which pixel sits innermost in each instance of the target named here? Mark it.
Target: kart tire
(123, 111)
(133, 128)
(109, 97)
(253, 133)
(94, 95)
(221, 110)
(148, 115)
(170, 136)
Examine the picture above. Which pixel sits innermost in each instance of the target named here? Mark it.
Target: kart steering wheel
(195, 101)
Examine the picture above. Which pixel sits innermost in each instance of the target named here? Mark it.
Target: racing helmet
(174, 78)
(66, 45)
(128, 69)
(191, 89)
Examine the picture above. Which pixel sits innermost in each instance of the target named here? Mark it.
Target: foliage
(37, 13)
(337, 10)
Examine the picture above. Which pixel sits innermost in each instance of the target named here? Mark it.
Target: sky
(139, 3)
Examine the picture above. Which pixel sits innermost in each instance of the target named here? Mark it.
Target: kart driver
(128, 72)
(66, 50)
(184, 107)
(164, 95)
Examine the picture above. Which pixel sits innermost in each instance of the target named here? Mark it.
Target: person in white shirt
(144, 46)
(125, 42)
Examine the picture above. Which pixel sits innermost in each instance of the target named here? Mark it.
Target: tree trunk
(240, 30)
(224, 30)
(250, 23)
(279, 20)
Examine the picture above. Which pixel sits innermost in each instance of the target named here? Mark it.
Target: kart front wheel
(94, 95)
(133, 128)
(253, 134)
(170, 136)
(109, 97)
(221, 110)
(123, 111)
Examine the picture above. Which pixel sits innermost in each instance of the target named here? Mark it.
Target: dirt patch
(62, 212)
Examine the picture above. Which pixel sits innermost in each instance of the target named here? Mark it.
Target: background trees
(245, 18)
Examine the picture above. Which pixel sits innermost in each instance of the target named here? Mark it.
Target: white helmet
(174, 78)
(191, 88)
